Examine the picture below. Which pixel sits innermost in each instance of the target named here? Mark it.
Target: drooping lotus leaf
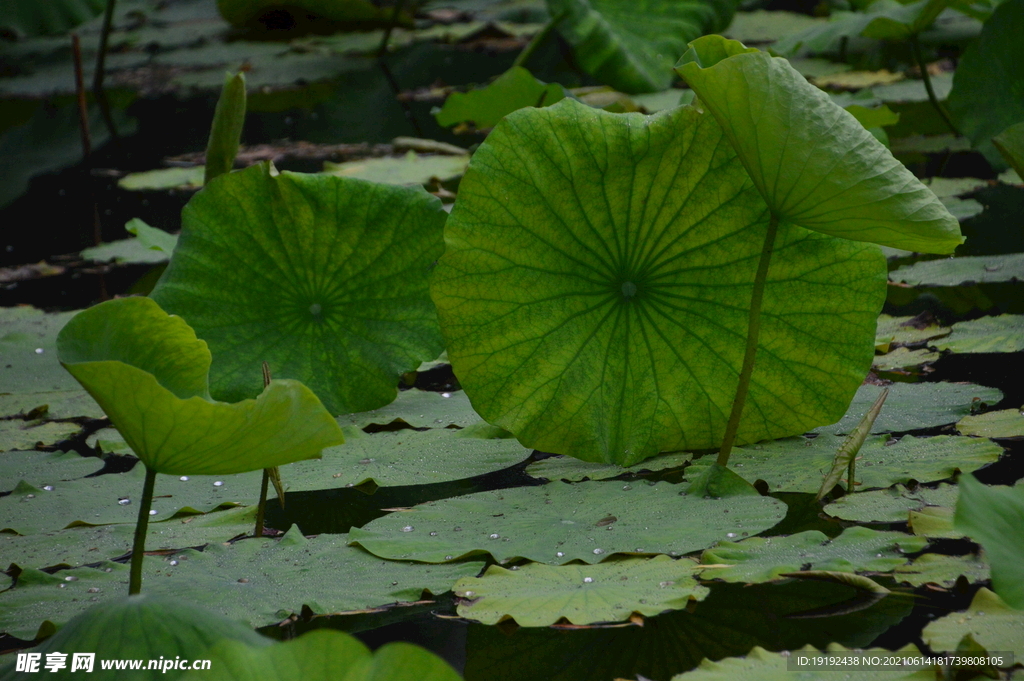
(989, 620)
(813, 163)
(761, 559)
(538, 595)
(1010, 143)
(935, 568)
(148, 372)
(325, 655)
(324, 278)
(977, 269)
(1002, 333)
(631, 45)
(511, 91)
(146, 626)
(558, 523)
(1002, 423)
(994, 517)
(988, 86)
(603, 312)
(891, 505)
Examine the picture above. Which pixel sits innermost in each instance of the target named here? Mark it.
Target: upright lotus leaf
(813, 163)
(994, 517)
(147, 371)
(988, 86)
(595, 288)
(226, 131)
(324, 278)
(631, 45)
(484, 107)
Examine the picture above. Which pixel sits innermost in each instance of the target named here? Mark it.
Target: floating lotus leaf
(933, 522)
(935, 568)
(411, 169)
(18, 434)
(994, 517)
(857, 549)
(28, 345)
(603, 312)
(813, 163)
(763, 665)
(1003, 333)
(989, 621)
(558, 523)
(905, 331)
(56, 404)
(148, 372)
(568, 468)
(631, 45)
(324, 278)
(974, 269)
(904, 359)
(1003, 423)
(891, 505)
(511, 91)
(44, 468)
(537, 595)
(418, 409)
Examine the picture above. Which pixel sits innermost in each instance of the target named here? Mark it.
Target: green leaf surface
(44, 468)
(28, 352)
(945, 187)
(558, 523)
(327, 283)
(148, 372)
(152, 238)
(256, 581)
(762, 559)
(18, 434)
(989, 620)
(988, 87)
(975, 269)
(766, 26)
(125, 251)
(813, 163)
(890, 505)
(993, 516)
(511, 91)
(911, 406)
(906, 331)
(163, 178)
(764, 665)
(324, 655)
(146, 626)
(574, 470)
(226, 130)
(418, 409)
(904, 358)
(60, 404)
(574, 313)
(411, 169)
(934, 522)
(631, 45)
(1002, 333)
(1010, 143)
(1002, 423)
(935, 568)
(537, 595)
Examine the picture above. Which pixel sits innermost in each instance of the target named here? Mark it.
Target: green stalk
(141, 525)
(395, 12)
(928, 85)
(535, 42)
(753, 331)
(261, 510)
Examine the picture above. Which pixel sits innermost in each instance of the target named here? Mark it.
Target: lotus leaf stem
(101, 69)
(536, 41)
(916, 45)
(753, 331)
(141, 525)
(261, 510)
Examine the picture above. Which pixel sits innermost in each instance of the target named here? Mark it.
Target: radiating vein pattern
(595, 290)
(326, 279)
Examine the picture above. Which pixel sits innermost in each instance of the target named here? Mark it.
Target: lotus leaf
(148, 372)
(603, 313)
(327, 283)
(763, 665)
(935, 568)
(989, 620)
(536, 595)
(903, 359)
(418, 409)
(891, 505)
(813, 163)
(994, 517)
(42, 469)
(567, 468)
(411, 169)
(511, 91)
(18, 434)
(631, 45)
(975, 269)
(1003, 423)
(905, 331)
(28, 345)
(1003, 333)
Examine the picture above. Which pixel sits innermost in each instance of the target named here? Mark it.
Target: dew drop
(174, 562)
(588, 580)
(71, 578)
(39, 351)
(448, 557)
(183, 478)
(94, 590)
(878, 555)
(407, 528)
(218, 483)
(730, 534)
(108, 569)
(458, 529)
(124, 502)
(152, 511)
(48, 488)
(243, 580)
(559, 554)
(495, 536)
(469, 594)
(598, 552)
(627, 487)
(433, 534)
(30, 496)
(666, 584)
(366, 460)
(446, 394)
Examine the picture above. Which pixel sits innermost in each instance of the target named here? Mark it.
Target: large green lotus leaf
(988, 86)
(138, 627)
(44, 469)
(603, 312)
(763, 665)
(324, 278)
(256, 581)
(994, 517)
(28, 352)
(911, 406)
(975, 269)
(511, 91)
(813, 163)
(148, 371)
(558, 523)
(891, 505)
(418, 409)
(537, 595)
(730, 621)
(324, 655)
(935, 568)
(56, 17)
(989, 620)
(567, 468)
(1003, 333)
(411, 169)
(631, 45)
(1002, 423)
(761, 559)
(800, 464)
(18, 434)
(81, 545)
(1010, 143)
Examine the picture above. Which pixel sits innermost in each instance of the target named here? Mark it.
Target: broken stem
(916, 46)
(536, 41)
(753, 331)
(141, 525)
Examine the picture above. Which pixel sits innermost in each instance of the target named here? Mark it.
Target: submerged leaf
(813, 163)
(148, 372)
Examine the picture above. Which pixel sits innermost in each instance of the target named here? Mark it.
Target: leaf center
(628, 290)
